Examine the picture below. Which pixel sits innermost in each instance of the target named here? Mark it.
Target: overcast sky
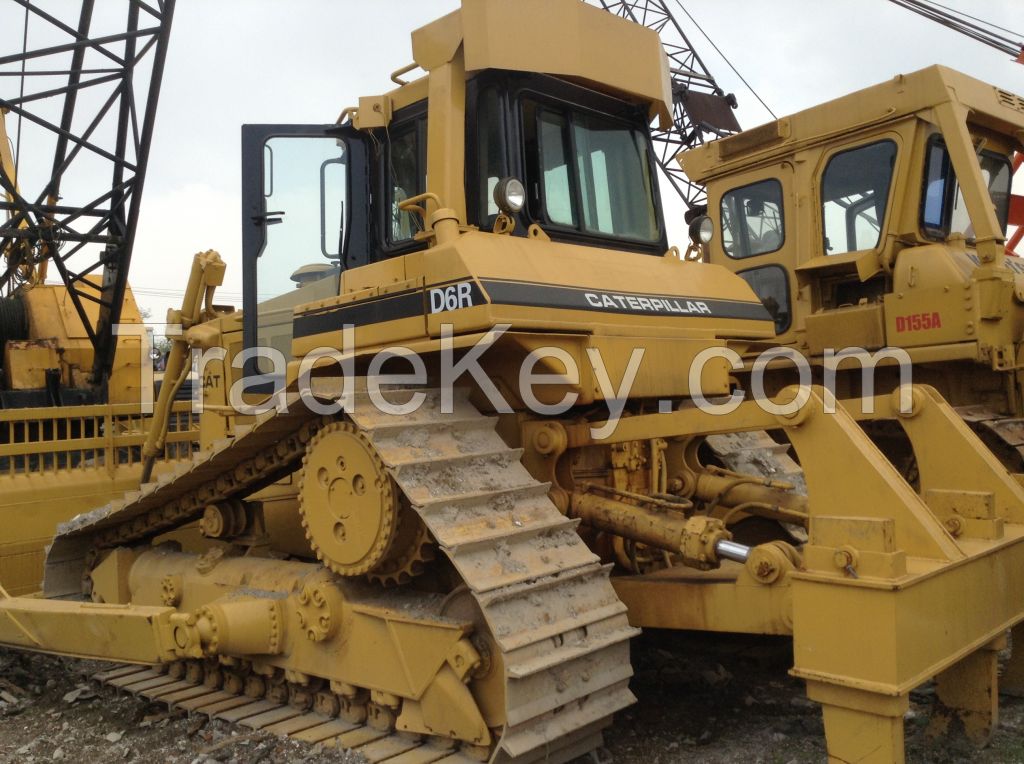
(238, 61)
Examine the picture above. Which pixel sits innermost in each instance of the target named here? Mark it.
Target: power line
(725, 58)
(171, 295)
(980, 21)
(958, 23)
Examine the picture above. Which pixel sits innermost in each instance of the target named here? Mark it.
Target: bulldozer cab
(323, 200)
(853, 219)
(399, 223)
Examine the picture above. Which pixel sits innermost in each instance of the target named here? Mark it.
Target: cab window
(771, 284)
(752, 221)
(301, 223)
(304, 187)
(554, 165)
(589, 172)
(490, 152)
(943, 210)
(406, 176)
(854, 194)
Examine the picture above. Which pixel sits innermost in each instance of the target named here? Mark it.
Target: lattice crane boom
(105, 85)
(700, 108)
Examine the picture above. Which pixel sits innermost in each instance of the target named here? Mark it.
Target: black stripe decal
(603, 301)
(376, 310)
(432, 300)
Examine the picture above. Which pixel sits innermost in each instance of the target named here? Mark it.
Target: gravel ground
(715, 699)
(702, 698)
(51, 711)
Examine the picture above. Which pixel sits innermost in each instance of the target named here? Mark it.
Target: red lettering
(918, 322)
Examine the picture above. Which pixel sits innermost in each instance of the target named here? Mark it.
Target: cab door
(304, 220)
(754, 236)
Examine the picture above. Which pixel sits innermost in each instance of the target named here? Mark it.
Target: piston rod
(730, 550)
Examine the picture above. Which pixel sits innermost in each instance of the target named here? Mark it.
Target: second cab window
(752, 222)
(854, 195)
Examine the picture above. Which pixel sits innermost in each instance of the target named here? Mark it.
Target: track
(1004, 435)
(757, 453)
(547, 601)
(559, 633)
(279, 719)
(233, 467)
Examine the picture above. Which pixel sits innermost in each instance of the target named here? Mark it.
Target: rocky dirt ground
(719, 700)
(701, 699)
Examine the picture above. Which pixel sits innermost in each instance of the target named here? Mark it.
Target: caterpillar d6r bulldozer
(462, 441)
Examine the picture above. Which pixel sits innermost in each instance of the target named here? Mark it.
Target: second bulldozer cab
(878, 219)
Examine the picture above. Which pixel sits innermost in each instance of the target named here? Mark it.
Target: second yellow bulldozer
(880, 221)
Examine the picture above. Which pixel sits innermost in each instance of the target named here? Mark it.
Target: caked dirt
(702, 698)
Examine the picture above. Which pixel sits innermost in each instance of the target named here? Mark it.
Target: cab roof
(904, 95)
(564, 38)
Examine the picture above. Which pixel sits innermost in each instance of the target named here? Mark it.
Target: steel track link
(1004, 435)
(232, 467)
(278, 718)
(561, 629)
(561, 632)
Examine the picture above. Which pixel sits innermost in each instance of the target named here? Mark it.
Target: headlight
(702, 230)
(510, 195)
(707, 230)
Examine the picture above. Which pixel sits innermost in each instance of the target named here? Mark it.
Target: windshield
(943, 211)
(854, 195)
(752, 219)
(589, 172)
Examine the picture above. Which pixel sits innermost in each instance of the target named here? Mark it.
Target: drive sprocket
(412, 550)
(347, 501)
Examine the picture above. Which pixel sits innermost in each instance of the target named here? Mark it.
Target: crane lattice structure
(90, 91)
(700, 108)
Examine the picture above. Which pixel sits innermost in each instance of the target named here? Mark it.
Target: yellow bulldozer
(879, 221)
(446, 477)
